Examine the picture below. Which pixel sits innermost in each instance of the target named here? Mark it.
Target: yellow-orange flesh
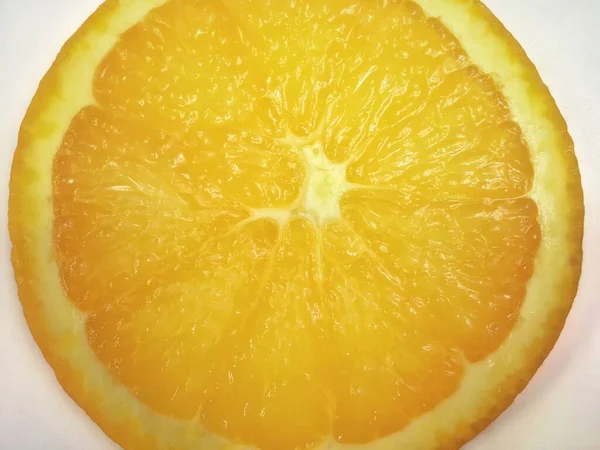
(293, 220)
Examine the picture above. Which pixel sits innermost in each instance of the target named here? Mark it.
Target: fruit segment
(183, 67)
(298, 46)
(462, 267)
(387, 366)
(269, 388)
(127, 208)
(164, 343)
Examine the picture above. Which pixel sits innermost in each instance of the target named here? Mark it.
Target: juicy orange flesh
(280, 333)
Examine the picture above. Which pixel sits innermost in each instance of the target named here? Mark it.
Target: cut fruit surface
(290, 225)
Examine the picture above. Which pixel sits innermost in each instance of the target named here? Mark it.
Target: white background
(560, 409)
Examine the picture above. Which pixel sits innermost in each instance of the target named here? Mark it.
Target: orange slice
(294, 224)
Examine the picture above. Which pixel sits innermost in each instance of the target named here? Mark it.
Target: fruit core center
(324, 186)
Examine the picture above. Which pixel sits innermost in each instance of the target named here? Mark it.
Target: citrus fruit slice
(294, 224)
